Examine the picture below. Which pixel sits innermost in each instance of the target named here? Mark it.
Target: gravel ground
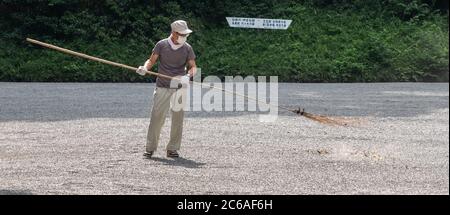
(88, 138)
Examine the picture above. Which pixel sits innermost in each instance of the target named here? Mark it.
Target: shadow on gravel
(183, 162)
(15, 192)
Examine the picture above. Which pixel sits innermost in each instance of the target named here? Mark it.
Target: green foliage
(332, 46)
(328, 41)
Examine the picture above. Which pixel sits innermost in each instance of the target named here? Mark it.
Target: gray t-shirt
(172, 62)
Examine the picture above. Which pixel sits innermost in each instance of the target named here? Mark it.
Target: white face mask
(181, 40)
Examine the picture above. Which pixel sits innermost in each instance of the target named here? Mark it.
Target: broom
(300, 111)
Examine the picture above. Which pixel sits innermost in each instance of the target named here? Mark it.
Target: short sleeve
(157, 48)
(191, 54)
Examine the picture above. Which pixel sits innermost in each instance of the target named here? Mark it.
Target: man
(174, 54)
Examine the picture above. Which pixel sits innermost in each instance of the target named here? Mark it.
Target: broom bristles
(336, 121)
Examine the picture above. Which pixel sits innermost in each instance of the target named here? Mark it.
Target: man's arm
(142, 70)
(192, 68)
(151, 61)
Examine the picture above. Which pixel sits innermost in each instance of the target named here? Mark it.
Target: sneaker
(172, 154)
(148, 154)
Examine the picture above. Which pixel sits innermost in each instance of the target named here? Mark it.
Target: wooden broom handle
(67, 51)
(85, 56)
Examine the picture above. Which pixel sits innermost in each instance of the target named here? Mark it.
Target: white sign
(240, 22)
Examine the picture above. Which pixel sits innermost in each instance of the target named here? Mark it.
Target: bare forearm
(192, 68)
(148, 65)
(192, 71)
(151, 62)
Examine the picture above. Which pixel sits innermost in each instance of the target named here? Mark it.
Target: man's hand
(184, 81)
(141, 70)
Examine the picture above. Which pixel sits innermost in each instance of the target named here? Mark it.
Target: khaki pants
(162, 99)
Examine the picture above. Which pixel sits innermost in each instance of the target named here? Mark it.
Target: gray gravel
(88, 138)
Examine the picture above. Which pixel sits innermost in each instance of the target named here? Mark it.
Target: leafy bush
(328, 40)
